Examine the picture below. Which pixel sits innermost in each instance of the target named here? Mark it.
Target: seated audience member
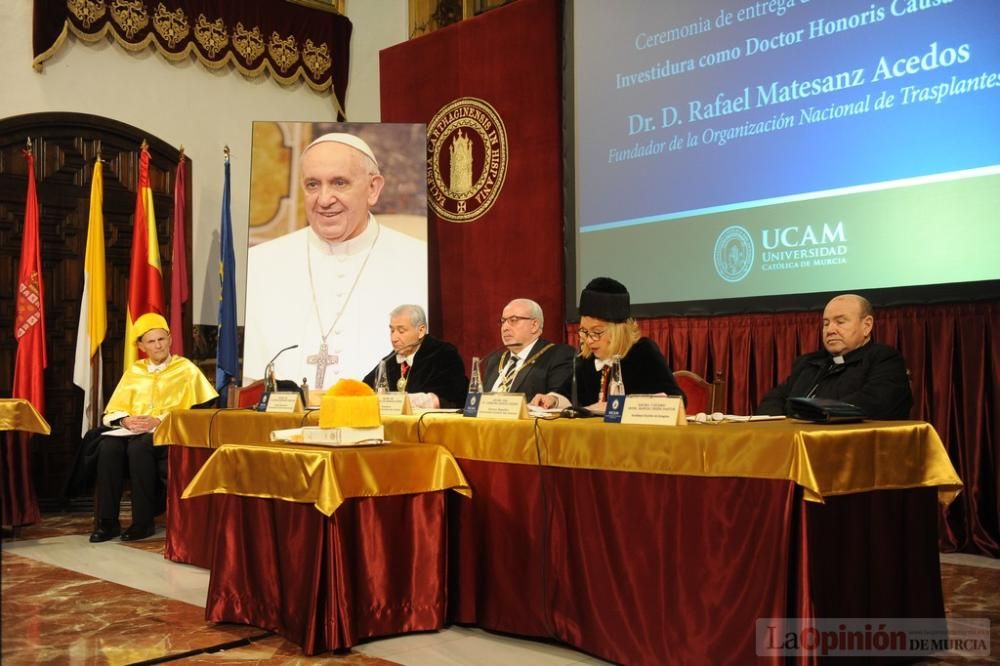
(148, 391)
(607, 330)
(428, 369)
(851, 368)
(529, 364)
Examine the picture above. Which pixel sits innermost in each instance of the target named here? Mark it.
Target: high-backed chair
(702, 396)
(245, 396)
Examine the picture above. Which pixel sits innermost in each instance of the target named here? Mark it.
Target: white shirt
(281, 310)
(521, 357)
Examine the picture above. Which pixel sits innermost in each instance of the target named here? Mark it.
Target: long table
(646, 545)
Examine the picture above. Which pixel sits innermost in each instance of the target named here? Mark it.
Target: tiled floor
(67, 601)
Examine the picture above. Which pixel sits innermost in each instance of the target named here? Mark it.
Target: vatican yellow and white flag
(93, 326)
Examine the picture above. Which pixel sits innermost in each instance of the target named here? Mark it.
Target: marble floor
(67, 601)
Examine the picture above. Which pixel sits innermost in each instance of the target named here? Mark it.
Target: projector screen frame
(925, 294)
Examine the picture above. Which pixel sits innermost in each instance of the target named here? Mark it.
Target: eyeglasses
(592, 335)
(513, 319)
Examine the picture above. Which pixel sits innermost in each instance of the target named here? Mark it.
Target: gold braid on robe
(143, 393)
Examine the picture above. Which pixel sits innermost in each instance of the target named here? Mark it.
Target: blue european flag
(227, 361)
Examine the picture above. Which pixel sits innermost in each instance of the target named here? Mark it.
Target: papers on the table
(331, 436)
(736, 418)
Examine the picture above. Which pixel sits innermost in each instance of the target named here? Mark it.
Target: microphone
(574, 411)
(270, 383)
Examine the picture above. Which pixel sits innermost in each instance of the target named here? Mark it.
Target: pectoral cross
(321, 360)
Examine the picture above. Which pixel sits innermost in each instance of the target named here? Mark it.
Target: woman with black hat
(608, 332)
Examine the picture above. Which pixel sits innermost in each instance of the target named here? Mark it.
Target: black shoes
(136, 532)
(106, 530)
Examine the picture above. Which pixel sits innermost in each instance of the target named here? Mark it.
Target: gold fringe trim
(36, 63)
(297, 74)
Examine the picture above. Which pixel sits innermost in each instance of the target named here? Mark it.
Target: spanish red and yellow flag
(145, 282)
(93, 326)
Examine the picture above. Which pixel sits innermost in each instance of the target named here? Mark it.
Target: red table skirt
(654, 569)
(376, 567)
(635, 568)
(18, 502)
(190, 522)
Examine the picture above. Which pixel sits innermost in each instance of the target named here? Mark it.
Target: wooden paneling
(65, 146)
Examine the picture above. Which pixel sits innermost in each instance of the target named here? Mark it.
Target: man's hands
(140, 423)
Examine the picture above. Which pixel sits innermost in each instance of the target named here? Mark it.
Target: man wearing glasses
(528, 363)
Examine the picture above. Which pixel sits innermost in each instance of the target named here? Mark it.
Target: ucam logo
(797, 247)
(733, 253)
(772, 239)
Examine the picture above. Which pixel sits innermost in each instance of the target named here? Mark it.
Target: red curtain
(954, 361)
(510, 59)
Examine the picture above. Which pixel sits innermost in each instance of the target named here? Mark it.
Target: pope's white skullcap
(347, 140)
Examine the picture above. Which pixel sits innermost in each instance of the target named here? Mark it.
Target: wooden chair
(702, 396)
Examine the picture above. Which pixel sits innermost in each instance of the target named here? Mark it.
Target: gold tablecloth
(823, 459)
(20, 414)
(326, 476)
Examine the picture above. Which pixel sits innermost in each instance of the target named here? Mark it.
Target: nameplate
(667, 410)
(471, 404)
(394, 403)
(283, 402)
(614, 408)
(502, 406)
(315, 397)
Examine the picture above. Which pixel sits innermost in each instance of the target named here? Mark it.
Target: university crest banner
(489, 90)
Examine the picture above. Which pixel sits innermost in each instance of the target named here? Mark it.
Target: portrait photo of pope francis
(337, 238)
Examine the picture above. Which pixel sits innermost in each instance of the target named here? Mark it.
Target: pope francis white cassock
(329, 286)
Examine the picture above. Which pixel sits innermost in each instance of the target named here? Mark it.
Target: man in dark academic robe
(851, 367)
(429, 370)
(528, 363)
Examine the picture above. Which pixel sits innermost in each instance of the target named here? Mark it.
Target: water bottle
(615, 384)
(381, 378)
(475, 381)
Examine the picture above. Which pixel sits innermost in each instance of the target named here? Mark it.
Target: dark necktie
(404, 368)
(508, 374)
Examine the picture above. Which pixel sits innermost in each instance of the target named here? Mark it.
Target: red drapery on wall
(953, 355)
(510, 59)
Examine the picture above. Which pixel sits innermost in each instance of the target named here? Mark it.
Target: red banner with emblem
(489, 89)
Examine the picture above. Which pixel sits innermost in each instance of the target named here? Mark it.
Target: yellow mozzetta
(178, 386)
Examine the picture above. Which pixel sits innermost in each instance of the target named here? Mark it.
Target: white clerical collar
(600, 365)
(357, 245)
(157, 367)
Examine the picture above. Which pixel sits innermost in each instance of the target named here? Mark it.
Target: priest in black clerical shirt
(428, 369)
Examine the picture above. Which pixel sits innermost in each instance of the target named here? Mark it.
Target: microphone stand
(574, 411)
(270, 381)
